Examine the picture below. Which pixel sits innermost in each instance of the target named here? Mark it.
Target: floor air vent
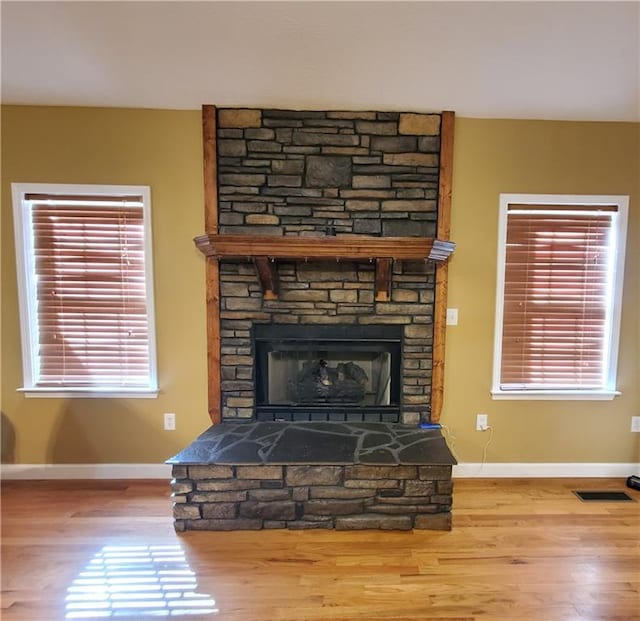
(593, 496)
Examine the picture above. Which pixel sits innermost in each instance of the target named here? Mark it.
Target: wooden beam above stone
(348, 248)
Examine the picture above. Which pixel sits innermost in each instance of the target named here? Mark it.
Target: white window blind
(558, 297)
(89, 291)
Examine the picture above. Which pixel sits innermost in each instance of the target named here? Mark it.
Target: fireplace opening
(328, 373)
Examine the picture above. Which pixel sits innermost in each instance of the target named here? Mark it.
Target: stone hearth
(241, 476)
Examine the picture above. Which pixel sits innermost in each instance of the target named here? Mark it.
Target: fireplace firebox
(328, 373)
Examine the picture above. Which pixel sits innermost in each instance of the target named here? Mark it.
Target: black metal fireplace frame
(301, 337)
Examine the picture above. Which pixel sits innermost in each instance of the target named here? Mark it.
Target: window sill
(554, 395)
(84, 393)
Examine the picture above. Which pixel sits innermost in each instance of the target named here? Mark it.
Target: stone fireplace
(321, 300)
(310, 174)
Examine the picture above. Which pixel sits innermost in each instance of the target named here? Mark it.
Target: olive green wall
(158, 148)
(163, 149)
(537, 157)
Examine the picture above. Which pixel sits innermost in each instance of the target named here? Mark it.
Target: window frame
(608, 391)
(27, 300)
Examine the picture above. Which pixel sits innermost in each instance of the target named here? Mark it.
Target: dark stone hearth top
(316, 443)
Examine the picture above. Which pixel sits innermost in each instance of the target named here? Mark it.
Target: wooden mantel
(265, 250)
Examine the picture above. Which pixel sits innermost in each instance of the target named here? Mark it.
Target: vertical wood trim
(210, 159)
(442, 269)
(212, 267)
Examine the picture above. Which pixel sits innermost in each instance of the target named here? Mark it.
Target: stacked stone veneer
(316, 173)
(224, 497)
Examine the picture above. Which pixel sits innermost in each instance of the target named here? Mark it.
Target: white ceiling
(537, 60)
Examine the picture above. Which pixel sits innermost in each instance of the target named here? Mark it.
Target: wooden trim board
(442, 269)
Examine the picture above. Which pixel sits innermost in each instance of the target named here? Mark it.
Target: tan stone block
(411, 159)
(262, 218)
(419, 124)
(380, 472)
(240, 402)
(239, 118)
(259, 472)
(341, 295)
(404, 295)
(210, 472)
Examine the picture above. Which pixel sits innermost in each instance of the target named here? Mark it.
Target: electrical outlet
(635, 424)
(452, 316)
(169, 421)
(482, 422)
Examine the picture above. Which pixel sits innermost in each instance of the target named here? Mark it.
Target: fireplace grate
(603, 496)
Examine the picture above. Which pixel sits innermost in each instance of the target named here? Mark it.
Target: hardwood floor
(519, 550)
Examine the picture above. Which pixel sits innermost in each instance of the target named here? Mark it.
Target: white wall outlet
(635, 424)
(482, 422)
(452, 316)
(169, 421)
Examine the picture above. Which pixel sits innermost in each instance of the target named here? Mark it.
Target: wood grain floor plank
(520, 550)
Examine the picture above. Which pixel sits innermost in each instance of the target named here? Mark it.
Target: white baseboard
(540, 470)
(461, 471)
(85, 471)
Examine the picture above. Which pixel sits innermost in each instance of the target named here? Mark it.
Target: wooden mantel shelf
(264, 250)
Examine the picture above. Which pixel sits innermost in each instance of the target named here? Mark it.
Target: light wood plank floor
(519, 550)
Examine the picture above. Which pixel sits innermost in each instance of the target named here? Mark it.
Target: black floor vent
(592, 496)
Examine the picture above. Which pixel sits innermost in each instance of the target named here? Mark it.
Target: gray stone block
(332, 507)
(259, 133)
(307, 525)
(232, 148)
(377, 128)
(263, 146)
(228, 485)
(186, 511)
(369, 521)
(288, 167)
(365, 226)
(300, 493)
(219, 510)
(179, 472)
(290, 181)
(219, 496)
(419, 488)
(340, 493)
(406, 228)
(437, 521)
(328, 171)
(435, 473)
(276, 510)
(242, 180)
(313, 475)
(270, 494)
(181, 487)
(217, 524)
(321, 139)
(398, 144)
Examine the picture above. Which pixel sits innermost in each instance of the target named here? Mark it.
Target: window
(559, 295)
(85, 289)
